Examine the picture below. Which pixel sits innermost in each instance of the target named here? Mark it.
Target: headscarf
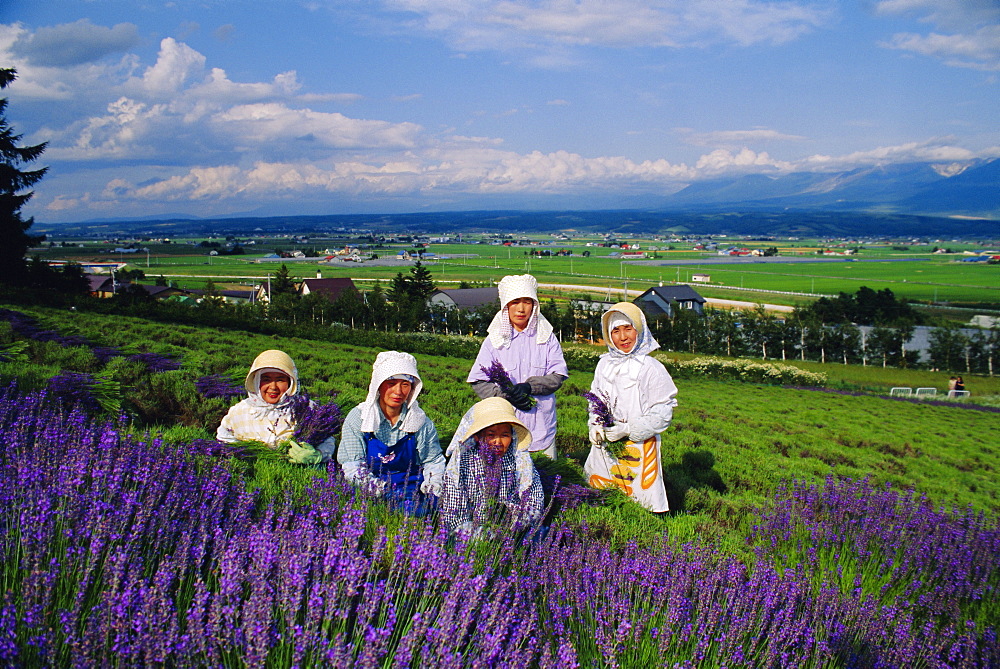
(271, 361)
(511, 288)
(393, 364)
(621, 367)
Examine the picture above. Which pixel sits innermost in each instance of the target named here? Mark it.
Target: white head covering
(271, 361)
(624, 367)
(511, 288)
(390, 364)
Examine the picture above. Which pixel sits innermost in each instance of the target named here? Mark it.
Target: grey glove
(520, 396)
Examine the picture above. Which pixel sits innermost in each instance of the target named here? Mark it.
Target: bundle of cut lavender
(495, 373)
(604, 413)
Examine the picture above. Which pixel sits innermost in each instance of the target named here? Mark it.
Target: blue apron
(398, 464)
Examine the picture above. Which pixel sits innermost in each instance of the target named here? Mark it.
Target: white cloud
(74, 43)
(965, 33)
(937, 150)
(551, 25)
(729, 138)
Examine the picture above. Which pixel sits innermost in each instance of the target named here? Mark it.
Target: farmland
(914, 274)
(736, 528)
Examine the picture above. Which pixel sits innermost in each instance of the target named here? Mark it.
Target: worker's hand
(597, 435)
(616, 431)
(301, 453)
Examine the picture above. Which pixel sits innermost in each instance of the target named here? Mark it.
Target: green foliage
(865, 307)
(15, 183)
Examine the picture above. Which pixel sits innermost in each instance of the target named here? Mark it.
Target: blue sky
(225, 107)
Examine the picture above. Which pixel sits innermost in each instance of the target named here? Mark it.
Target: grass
(729, 448)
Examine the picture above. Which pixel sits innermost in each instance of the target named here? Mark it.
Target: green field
(917, 274)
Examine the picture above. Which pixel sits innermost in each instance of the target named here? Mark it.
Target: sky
(283, 107)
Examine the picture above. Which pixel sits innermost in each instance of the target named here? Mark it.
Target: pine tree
(14, 193)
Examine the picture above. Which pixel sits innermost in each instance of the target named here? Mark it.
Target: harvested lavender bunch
(105, 353)
(156, 362)
(86, 392)
(213, 448)
(600, 407)
(218, 385)
(315, 422)
(496, 373)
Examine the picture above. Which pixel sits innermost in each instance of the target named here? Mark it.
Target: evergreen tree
(282, 283)
(14, 193)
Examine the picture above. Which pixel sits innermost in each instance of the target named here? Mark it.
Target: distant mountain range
(913, 200)
(922, 189)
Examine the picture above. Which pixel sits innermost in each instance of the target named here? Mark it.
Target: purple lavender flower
(218, 385)
(74, 390)
(156, 362)
(315, 422)
(496, 373)
(599, 402)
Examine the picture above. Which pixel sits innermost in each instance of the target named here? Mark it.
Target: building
(662, 300)
(331, 289)
(465, 298)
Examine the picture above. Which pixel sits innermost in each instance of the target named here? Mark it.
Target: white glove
(375, 486)
(303, 453)
(597, 434)
(616, 431)
(432, 486)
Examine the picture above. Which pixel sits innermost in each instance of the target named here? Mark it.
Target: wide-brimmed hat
(493, 411)
(272, 359)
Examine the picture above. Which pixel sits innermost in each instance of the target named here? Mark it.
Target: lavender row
(124, 551)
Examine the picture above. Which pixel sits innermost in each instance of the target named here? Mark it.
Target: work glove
(520, 396)
(375, 486)
(432, 486)
(303, 453)
(616, 431)
(597, 435)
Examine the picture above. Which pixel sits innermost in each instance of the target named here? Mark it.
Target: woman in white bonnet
(641, 396)
(521, 339)
(266, 413)
(388, 443)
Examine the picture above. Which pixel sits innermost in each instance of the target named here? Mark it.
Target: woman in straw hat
(641, 396)
(266, 415)
(388, 443)
(520, 338)
(490, 479)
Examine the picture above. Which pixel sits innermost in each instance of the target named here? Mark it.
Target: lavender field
(126, 548)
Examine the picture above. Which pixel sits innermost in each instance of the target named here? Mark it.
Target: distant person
(952, 382)
(266, 415)
(959, 383)
(388, 443)
(520, 338)
(641, 396)
(491, 483)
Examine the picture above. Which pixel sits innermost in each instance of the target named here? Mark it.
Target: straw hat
(494, 410)
(272, 359)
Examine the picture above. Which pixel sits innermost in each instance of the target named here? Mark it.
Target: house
(101, 285)
(465, 298)
(662, 300)
(331, 289)
(702, 278)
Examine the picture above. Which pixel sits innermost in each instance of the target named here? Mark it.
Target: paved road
(711, 301)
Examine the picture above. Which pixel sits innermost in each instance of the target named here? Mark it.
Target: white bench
(958, 393)
(925, 392)
(899, 391)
